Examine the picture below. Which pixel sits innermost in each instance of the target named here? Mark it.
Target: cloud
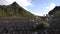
(39, 14)
(4, 2)
(23, 3)
(51, 6)
(10, 1)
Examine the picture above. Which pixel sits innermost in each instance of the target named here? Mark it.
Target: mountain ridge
(14, 10)
(55, 11)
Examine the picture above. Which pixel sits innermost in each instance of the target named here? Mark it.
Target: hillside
(55, 12)
(14, 10)
(54, 20)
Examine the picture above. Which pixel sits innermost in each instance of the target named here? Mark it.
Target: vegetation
(57, 13)
(41, 26)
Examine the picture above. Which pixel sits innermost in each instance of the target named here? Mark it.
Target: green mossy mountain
(14, 10)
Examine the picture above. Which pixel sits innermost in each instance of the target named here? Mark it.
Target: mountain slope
(14, 10)
(55, 12)
(55, 18)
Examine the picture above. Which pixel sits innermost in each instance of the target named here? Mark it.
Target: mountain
(55, 12)
(14, 10)
(54, 20)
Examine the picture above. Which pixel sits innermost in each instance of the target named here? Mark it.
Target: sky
(37, 7)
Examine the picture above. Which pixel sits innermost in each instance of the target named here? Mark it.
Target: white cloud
(11, 1)
(23, 3)
(51, 6)
(39, 14)
(4, 2)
